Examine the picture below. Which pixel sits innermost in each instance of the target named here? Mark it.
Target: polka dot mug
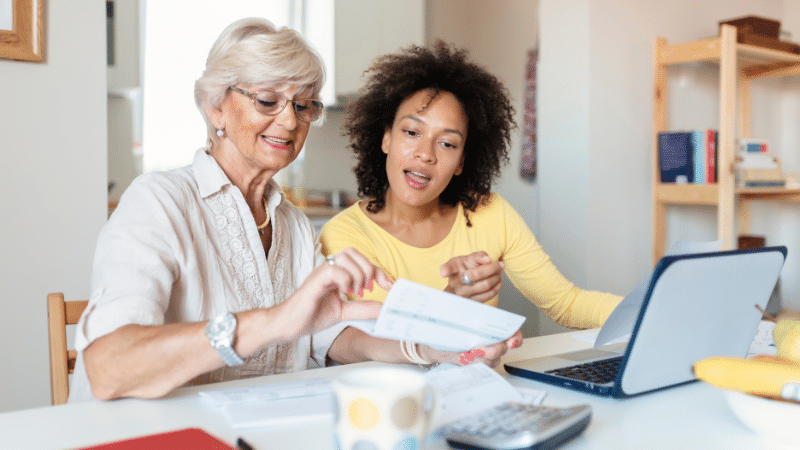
(383, 408)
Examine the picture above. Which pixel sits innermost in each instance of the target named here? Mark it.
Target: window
(177, 38)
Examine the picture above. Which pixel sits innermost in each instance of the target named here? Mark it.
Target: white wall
(53, 179)
(499, 38)
(595, 107)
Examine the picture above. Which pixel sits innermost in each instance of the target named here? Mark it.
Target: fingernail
(370, 285)
(463, 359)
(361, 292)
(502, 266)
(479, 353)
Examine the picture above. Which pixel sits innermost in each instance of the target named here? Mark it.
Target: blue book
(699, 156)
(675, 157)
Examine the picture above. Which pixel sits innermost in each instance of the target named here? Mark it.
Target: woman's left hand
(489, 354)
(474, 276)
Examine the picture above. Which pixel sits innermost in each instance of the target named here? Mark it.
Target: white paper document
(763, 342)
(267, 392)
(274, 404)
(280, 412)
(470, 389)
(622, 320)
(418, 313)
(463, 390)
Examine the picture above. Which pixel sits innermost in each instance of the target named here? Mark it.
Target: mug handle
(432, 413)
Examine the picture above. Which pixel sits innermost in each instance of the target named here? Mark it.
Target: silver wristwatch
(220, 331)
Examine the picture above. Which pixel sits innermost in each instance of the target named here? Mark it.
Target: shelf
(320, 212)
(739, 64)
(708, 194)
(754, 61)
(688, 194)
(786, 195)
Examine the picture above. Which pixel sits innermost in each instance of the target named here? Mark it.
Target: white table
(693, 416)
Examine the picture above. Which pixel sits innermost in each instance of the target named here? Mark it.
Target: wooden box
(761, 32)
(758, 25)
(767, 42)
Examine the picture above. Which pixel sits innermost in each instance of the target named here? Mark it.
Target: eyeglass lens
(269, 103)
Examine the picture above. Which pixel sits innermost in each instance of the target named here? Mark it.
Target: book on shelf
(675, 157)
(704, 151)
(758, 169)
(751, 146)
(688, 156)
(699, 138)
(712, 156)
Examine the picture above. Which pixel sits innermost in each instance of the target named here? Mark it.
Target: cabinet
(739, 64)
(350, 34)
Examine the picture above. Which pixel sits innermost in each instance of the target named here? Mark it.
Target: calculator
(518, 426)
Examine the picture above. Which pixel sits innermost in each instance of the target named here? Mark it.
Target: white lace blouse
(182, 246)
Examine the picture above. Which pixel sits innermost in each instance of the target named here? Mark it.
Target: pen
(242, 445)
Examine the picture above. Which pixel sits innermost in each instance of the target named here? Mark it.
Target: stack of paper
(271, 404)
(463, 390)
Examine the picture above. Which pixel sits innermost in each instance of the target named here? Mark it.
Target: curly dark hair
(440, 67)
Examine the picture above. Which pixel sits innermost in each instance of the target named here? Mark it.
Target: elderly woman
(207, 273)
(430, 131)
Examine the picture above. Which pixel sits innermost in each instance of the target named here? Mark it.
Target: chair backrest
(62, 360)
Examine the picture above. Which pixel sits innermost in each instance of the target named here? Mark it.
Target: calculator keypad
(517, 426)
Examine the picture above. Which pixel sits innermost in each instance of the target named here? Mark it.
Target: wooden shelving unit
(738, 65)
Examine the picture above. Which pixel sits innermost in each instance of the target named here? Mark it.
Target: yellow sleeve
(529, 268)
(341, 232)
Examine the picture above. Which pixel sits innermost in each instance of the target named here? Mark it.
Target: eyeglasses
(271, 103)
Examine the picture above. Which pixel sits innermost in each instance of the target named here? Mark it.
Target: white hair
(252, 51)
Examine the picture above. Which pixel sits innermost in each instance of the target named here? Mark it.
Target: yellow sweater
(496, 229)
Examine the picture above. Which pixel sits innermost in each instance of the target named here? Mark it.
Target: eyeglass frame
(287, 100)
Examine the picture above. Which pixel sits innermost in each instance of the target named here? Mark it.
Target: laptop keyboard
(599, 372)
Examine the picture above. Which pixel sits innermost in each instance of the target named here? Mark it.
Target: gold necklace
(261, 228)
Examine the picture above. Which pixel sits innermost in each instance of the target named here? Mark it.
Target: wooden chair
(62, 360)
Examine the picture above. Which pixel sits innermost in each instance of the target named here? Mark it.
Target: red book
(185, 439)
(711, 154)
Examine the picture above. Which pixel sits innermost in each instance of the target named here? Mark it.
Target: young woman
(430, 131)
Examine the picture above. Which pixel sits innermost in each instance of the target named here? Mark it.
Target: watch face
(221, 325)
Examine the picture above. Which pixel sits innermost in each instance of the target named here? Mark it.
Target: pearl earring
(220, 132)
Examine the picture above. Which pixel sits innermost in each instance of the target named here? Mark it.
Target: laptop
(696, 306)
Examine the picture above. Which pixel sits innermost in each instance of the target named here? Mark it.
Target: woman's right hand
(484, 275)
(319, 302)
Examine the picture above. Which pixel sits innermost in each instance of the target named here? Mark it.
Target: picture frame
(24, 41)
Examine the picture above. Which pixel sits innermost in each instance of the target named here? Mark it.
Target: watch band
(220, 332)
(229, 355)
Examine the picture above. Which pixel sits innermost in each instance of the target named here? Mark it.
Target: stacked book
(688, 156)
(755, 167)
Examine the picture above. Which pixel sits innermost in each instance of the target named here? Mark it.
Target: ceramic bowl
(775, 421)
